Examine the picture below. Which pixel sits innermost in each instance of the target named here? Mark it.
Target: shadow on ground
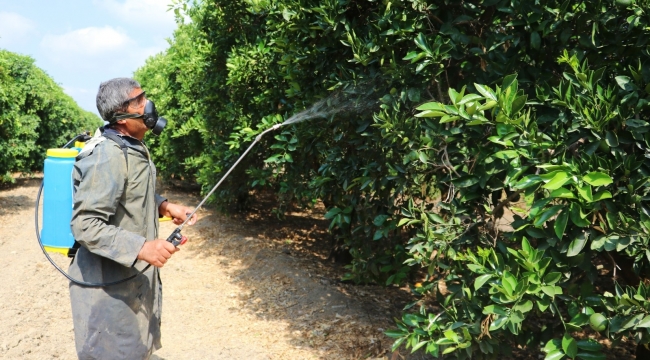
(15, 203)
(288, 278)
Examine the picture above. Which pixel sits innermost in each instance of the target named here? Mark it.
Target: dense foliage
(35, 115)
(506, 163)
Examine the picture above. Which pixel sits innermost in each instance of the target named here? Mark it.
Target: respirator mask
(150, 118)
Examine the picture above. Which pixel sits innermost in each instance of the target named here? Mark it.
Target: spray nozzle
(274, 127)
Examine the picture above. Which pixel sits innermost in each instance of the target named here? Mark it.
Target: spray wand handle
(176, 238)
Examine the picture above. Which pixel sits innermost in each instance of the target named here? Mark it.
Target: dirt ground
(241, 288)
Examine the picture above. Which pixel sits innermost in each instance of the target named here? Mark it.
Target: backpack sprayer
(57, 205)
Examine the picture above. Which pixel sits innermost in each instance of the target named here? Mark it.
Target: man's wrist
(162, 209)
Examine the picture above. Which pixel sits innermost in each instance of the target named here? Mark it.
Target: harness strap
(122, 145)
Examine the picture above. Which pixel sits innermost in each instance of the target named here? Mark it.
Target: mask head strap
(122, 116)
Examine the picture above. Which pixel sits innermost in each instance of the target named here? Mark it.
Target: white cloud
(94, 53)
(86, 42)
(151, 14)
(15, 28)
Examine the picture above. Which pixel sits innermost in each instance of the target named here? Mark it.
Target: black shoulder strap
(122, 145)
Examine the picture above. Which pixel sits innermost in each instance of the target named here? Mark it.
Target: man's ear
(121, 122)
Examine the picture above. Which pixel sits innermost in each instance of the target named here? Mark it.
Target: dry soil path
(226, 296)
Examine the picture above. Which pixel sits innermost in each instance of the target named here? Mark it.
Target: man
(115, 221)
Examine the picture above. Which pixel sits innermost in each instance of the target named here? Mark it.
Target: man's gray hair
(112, 94)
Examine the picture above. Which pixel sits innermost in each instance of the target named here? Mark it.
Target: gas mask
(150, 118)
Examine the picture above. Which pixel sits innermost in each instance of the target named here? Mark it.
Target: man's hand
(178, 213)
(157, 252)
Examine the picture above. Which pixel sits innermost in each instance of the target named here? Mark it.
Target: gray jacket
(115, 211)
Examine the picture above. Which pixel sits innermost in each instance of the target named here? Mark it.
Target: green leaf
(516, 317)
(570, 346)
(557, 181)
(333, 212)
(602, 195)
(535, 40)
(419, 345)
(509, 282)
(498, 323)
(518, 104)
(398, 343)
(481, 280)
(508, 80)
(506, 154)
(486, 91)
(421, 42)
(403, 221)
(549, 290)
(523, 307)
(599, 242)
(449, 118)
(449, 350)
(422, 156)
(562, 193)
(585, 192)
(577, 245)
(495, 309)
(554, 355)
(547, 214)
(645, 323)
(469, 97)
(579, 320)
(466, 181)
(395, 333)
(552, 345)
(552, 277)
(591, 356)
(544, 303)
(451, 335)
(528, 181)
(597, 179)
(624, 82)
(431, 106)
(379, 220)
(525, 246)
(437, 218)
(453, 95)
(411, 319)
(611, 139)
(589, 345)
(576, 216)
(560, 223)
(431, 113)
(432, 349)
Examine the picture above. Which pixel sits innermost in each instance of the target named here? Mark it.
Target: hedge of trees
(35, 115)
(502, 174)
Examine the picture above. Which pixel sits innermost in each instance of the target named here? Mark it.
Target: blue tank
(56, 235)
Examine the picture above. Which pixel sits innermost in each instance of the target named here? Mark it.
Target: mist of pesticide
(339, 102)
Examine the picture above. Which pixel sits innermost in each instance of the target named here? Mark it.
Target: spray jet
(335, 103)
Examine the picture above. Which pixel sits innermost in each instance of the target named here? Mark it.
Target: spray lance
(176, 238)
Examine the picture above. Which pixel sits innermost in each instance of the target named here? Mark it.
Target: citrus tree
(498, 165)
(35, 115)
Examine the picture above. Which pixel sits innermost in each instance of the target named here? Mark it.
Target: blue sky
(81, 43)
